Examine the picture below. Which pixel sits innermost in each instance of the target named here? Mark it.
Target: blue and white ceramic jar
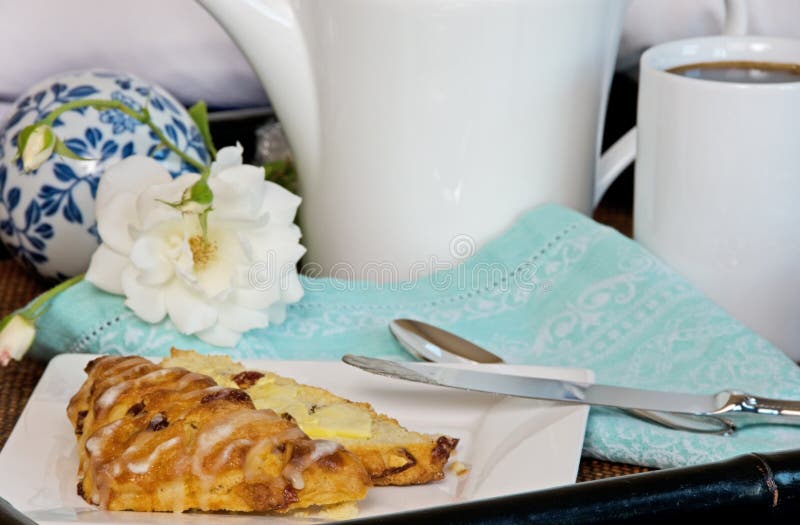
(47, 218)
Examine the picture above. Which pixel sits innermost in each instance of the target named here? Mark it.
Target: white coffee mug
(717, 180)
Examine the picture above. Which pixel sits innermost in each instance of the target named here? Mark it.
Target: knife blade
(431, 343)
(745, 409)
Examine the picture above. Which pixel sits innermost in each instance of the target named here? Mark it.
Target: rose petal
(105, 269)
(187, 310)
(269, 275)
(277, 313)
(146, 301)
(283, 256)
(148, 254)
(227, 157)
(179, 252)
(246, 176)
(130, 175)
(216, 279)
(240, 319)
(238, 193)
(279, 245)
(114, 221)
(291, 289)
(259, 297)
(220, 336)
(152, 204)
(274, 234)
(280, 203)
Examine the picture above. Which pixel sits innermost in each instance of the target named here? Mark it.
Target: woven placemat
(17, 286)
(17, 381)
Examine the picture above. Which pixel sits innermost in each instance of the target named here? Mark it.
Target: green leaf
(7, 319)
(64, 151)
(199, 113)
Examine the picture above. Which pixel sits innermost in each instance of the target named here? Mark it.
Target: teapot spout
(269, 34)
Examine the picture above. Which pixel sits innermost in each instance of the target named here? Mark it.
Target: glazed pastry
(391, 454)
(153, 438)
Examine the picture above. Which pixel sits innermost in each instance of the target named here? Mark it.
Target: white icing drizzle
(140, 467)
(253, 463)
(109, 396)
(210, 437)
(190, 397)
(126, 367)
(207, 439)
(225, 455)
(294, 470)
(94, 448)
(187, 380)
(121, 364)
(99, 437)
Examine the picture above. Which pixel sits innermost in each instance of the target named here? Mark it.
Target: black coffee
(740, 71)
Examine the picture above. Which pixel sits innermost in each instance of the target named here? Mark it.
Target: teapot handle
(620, 155)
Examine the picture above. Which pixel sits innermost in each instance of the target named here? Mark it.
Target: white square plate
(509, 445)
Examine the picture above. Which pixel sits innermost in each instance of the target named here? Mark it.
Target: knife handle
(744, 409)
(743, 403)
(769, 406)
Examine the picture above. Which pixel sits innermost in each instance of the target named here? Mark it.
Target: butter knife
(431, 343)
(741, 408)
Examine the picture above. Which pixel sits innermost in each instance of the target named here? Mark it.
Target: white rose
(156, 256)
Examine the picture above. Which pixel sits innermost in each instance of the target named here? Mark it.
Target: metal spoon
(434, 344)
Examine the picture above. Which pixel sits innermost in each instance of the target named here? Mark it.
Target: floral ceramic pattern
(47, 216)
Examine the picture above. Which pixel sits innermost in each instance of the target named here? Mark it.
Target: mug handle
(620, 155)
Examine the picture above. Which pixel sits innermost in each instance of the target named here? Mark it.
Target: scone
(153, 438)
(391, 454)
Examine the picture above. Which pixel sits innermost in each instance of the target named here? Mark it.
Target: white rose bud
(15, 339)
(36, 146)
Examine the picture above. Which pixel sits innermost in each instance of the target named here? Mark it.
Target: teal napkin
(556, 289)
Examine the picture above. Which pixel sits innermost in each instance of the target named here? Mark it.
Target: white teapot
(419, 126)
